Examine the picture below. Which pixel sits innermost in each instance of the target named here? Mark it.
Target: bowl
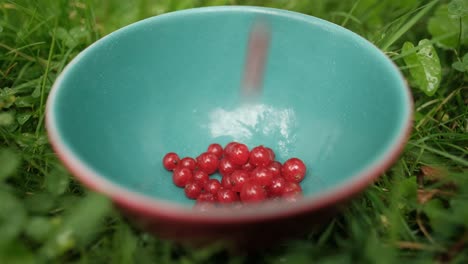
(172, 83)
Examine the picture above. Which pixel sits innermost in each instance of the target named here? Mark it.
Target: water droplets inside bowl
(247, 120)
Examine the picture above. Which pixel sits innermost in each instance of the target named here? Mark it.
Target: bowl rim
(152, 207)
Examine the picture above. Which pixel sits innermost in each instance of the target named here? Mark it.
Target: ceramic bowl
(172, 83)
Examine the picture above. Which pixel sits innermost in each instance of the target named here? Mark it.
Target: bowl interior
(171, 83)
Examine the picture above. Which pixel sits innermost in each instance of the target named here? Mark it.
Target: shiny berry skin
(227, 196)
(208, 162)
(192, 190)
(275, 168)
(226, 167)
(216, 149)
(188, 163)
(238, 154)
(181, 176)
(293, 170)
(212, 186)
(248, 167)
(206, 197)
(171, 161)
(272, 153)
(261, 176)
(276, 188)
(260, 156)
(238, 179)
(226, 182)
(252, 192)
(228, 147)
(291, 188)
(200, 177)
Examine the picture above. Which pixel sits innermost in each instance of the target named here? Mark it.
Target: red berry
(216, 149)
(275, 168)
(291, 188)
(226, 167)
(260, 156)
(261, 176)
(226, 182)
(276, 187)
(248, 167)
(200, 177)
(228, 150)
(181, 176)
(292, 192)
(252, 192)
(238, 154)
(208, 162)
(238, 179)
(170, 161)
(227, 196)
(206, 197)
(272, 153)
(293, 170)
(228, 147)
(212, 186)
(188, 163)
(192, 190)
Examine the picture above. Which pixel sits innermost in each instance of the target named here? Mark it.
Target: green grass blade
(454, 158)
(44, 82)
(350, 14)
(408, 25)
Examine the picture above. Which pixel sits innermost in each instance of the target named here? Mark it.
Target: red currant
(291, 188)
(216, 149)
(227, 196)
(260, 156)
(276, 188)
(293, 170)
(192, 190)
(275, 168)
(170, 161)
(238, 154)
(208, 162)
(212, 186)
(206, 197)
(188, 163)
(226, 182)
(238, 179)
(228, 147)
(226, 167)
(247, 176)
(261, 176)
(272, 153)
(248, 167)
(292, 192)
(181, 176)
(252, 192)
(200, 177)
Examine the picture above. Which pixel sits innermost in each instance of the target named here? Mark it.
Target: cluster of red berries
(247, 175)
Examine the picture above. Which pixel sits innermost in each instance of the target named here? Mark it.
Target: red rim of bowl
(169, 210)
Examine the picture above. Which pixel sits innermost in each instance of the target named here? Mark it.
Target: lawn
(417, 212)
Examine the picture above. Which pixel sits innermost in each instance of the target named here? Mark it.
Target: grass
(416, 212)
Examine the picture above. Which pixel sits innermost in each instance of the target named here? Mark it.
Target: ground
(416, 212)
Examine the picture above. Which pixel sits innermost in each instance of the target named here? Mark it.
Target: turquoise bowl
(172, 83)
